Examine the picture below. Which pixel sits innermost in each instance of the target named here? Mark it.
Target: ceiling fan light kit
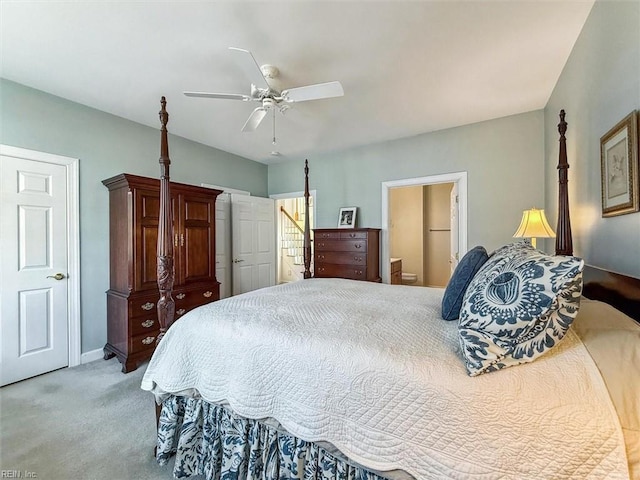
(268, 97)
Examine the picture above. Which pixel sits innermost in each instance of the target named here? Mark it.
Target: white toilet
(409, 278)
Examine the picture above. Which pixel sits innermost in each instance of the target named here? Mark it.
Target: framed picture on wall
(347, 217)
(619, 172)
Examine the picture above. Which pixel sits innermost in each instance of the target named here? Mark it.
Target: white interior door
(34, 268)
(455, 248)
(253, 243)
(223, 244)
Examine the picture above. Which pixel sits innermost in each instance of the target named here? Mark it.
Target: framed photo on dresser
(347, 217)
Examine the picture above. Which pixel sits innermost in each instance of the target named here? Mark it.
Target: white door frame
(73, 235)
(460, 178)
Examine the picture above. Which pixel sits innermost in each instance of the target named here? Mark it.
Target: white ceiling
(407, 67)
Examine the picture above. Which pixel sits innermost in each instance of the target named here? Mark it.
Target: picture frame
(347, 217)
(619, 167)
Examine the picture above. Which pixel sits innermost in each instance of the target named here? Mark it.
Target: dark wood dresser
(134, 204)
(347, 253)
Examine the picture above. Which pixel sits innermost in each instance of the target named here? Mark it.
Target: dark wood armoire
(134, 203)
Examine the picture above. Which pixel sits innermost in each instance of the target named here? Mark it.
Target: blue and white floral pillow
(517, 307)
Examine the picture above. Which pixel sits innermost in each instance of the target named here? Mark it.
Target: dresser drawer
(353, 235)
(320, 235)
(341, 258)
(340, 271)
(145, 341)
(341, 245)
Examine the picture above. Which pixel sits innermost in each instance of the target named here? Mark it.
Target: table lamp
(534, 224)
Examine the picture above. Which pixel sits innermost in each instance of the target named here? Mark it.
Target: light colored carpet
(90, 422)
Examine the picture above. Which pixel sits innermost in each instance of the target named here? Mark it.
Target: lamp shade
(534, 224)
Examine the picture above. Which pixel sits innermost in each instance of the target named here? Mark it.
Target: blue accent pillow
(518, 306)
(460, 280)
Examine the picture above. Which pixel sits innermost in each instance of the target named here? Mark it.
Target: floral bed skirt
(211, 440)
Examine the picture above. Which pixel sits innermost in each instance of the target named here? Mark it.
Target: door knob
(235, 260)
(57, 276)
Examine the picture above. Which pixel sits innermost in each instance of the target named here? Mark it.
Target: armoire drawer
(145, 341)
(189, 298)
(143, 324)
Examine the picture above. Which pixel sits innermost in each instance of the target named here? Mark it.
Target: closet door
(253, 243)
(223, 244)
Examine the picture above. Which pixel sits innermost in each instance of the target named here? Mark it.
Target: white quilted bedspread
(374, 370)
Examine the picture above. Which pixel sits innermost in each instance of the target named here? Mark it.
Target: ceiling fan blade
(313, 92)
(251, 68)
(254, 119)
(226, 96)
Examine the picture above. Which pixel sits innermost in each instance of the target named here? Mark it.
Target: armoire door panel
(198, 246)
(147, 267)
(196, 210)
(198, 261)
(146, 207)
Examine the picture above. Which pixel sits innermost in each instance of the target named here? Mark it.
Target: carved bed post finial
(564, 242)
(307, 232)
(165, 265)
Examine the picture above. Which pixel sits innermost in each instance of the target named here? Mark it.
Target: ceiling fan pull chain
(274, 126)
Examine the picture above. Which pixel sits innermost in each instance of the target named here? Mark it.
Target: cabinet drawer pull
(357, 259)
(148, 340)
(180, 296)
(352, 235)
(148, 323)
(147, 306)
(207, 294)
(321, 257)
(358, 245)
(358, 272)
(181, 311)
(321, 244)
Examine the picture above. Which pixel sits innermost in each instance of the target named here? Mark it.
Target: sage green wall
(106, 146)
(503, 159)
(599, 86)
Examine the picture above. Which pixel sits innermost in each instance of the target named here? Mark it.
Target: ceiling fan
(269, 98)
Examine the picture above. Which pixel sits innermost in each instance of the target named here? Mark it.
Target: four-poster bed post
(166, 271)
(307, 230)
(564, 243)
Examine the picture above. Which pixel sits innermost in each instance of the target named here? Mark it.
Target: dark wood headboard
(619, 291)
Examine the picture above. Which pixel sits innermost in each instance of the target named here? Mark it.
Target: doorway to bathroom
(424, 226)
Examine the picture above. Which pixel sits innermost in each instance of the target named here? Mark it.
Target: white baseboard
(91, 356)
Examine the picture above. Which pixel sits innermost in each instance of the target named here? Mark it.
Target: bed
(335, 378)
